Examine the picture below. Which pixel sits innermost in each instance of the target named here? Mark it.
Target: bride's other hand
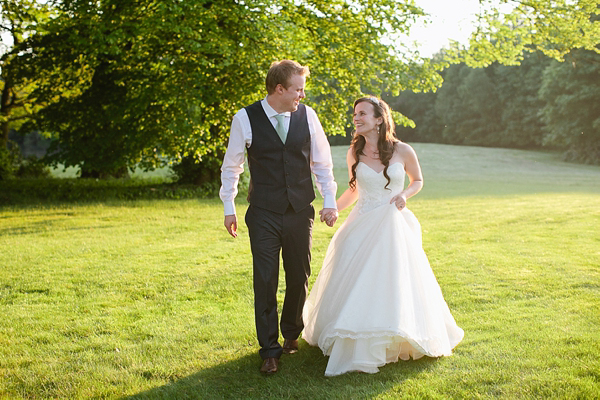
(399, 200)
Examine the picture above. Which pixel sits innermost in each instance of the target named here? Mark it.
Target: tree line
(541, 103)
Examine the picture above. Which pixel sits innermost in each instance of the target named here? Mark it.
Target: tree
(480, 123)
(18, 19)
(448, 105)
(571, 114)
(120, 83)
(420, 107)
(499, 106)
(467, 107)
(552, 27)
(517, 88)
(161, 80)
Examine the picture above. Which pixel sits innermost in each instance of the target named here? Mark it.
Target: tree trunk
(5, 112)
(121, 172)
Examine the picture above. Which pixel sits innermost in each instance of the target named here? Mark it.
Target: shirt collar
(270, 111)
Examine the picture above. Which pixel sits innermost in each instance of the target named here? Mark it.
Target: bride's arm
(349, 196)
(413, 171)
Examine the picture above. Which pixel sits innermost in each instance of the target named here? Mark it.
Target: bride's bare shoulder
(403, 149)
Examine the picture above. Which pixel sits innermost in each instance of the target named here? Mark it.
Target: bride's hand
(399, 200)
(329, 216)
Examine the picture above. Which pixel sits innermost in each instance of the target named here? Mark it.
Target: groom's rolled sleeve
(233, 162)
(321, 163)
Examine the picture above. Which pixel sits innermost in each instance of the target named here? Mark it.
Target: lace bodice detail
(371, 186)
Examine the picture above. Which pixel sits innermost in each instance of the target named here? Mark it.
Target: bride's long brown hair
(385, 142)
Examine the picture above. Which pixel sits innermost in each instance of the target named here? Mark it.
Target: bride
(376, 298)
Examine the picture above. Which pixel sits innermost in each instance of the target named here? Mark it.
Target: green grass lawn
(152, 299)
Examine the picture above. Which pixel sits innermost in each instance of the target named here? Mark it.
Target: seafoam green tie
(280, 128)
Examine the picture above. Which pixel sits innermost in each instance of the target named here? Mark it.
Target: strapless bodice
(372, 192)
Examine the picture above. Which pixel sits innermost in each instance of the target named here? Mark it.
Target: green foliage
(155, 81)
(10, 158)
(468, 107)
(519, 103)
(551, 27)
(124, 83)
(190, 171)
(571, 92)
(13, 165)
(420, 107)
(493, 106)
(540, 103)
(18, 20)
(33, 167)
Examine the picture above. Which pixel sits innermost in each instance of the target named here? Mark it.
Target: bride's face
(365, 120)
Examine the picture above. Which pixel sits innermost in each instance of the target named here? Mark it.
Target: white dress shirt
(240, 138)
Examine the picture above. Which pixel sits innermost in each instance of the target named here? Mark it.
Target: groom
(285, 142)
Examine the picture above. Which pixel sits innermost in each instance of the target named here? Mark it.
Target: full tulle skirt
(376, 298)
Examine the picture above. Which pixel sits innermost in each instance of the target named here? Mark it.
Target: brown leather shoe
(290, 346)
(270, 366)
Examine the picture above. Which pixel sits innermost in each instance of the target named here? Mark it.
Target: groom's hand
(231, 224)
(329, 216)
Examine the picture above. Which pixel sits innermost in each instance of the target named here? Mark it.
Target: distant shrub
(33, 167)
(10, 158)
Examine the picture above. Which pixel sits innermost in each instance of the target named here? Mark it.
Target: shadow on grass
(300, 376)
(37, 227)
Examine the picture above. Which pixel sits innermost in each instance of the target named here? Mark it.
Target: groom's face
(290, 97)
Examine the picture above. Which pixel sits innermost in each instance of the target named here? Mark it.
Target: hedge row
(41, 191)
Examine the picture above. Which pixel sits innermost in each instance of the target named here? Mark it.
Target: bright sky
(450, 19)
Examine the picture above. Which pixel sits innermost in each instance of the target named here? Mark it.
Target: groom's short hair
(281, 72)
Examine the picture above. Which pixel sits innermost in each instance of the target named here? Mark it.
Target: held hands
(399, 200)
(329, 216)
(231, 224)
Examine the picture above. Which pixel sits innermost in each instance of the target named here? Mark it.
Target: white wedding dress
(376, 298)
